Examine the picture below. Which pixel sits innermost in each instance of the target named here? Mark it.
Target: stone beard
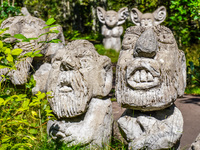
(151, 70)
(78, 74)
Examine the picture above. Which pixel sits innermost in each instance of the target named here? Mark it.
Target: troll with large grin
(151, 74)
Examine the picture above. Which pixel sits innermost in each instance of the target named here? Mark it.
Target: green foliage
(23, 116)
(8, 56)
(192, 90)
(193, 75)
(8, 10)
(184, 20)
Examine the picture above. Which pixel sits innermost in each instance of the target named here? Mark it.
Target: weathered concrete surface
(151, 72)
(78, 76)
(92, 128)
(78, 73)
(153, 130)
(41, 77)
(189, 106)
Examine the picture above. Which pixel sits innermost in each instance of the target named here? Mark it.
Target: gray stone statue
(80, 78)
(151, 74)
(111, 29)
(30, 27)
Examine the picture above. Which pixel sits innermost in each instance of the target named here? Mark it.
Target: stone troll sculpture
(111, 29)
(80, 78)
(151, 74)
(30, 27)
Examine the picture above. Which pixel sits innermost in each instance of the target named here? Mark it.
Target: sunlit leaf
(50, 21)
(25, 104)
(46, 27)
(9, 58)
(7, 51)
(1, 44)
(33, 113)
(1, 101)
(36, 52)
(16, 51)
(55, 41)
(3, 66)
(5, 138)
(32, 38)
(33, 131)
(20, 36)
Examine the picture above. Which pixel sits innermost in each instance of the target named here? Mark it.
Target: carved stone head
(78, 74)
(112, 18)
(151, 70)
(30, 27)
(148, 19)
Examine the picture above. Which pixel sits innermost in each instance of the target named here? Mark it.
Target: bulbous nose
(146, 45)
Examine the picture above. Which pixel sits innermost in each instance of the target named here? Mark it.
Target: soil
(189, 105)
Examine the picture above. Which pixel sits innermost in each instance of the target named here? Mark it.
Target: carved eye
(66, 67)
(107, 17)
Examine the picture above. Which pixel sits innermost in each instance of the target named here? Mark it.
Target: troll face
(151, 70)
(148, 19)
(112, 18)
(78, 74)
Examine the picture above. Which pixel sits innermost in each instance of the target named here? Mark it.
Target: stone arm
(147, 131)
(96, 124)
(105, 31)
(117, 31)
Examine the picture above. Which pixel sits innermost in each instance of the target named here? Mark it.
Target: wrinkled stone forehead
(23, 20)
(77, 50)
(163, 34)
(147, 15)
(111, 12)
(138, 30)
(81, 48)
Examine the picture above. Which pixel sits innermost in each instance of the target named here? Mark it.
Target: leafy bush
(8, 10)
(23, 116)
(193, 78)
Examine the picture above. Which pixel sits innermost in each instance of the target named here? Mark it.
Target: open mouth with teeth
(142, 79)
(143, 75)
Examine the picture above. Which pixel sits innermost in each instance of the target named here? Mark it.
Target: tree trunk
(94, 18)
(64, 9)
(13, 3)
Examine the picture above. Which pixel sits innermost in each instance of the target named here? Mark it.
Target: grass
(192, 90)
(112, 54)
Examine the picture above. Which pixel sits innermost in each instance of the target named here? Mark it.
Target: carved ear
(135, 16)
(159, 15)
(101, 14)
(122, 15)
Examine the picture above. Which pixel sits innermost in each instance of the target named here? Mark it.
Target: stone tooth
(136, 76)
(149, 77)
(143, 76)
